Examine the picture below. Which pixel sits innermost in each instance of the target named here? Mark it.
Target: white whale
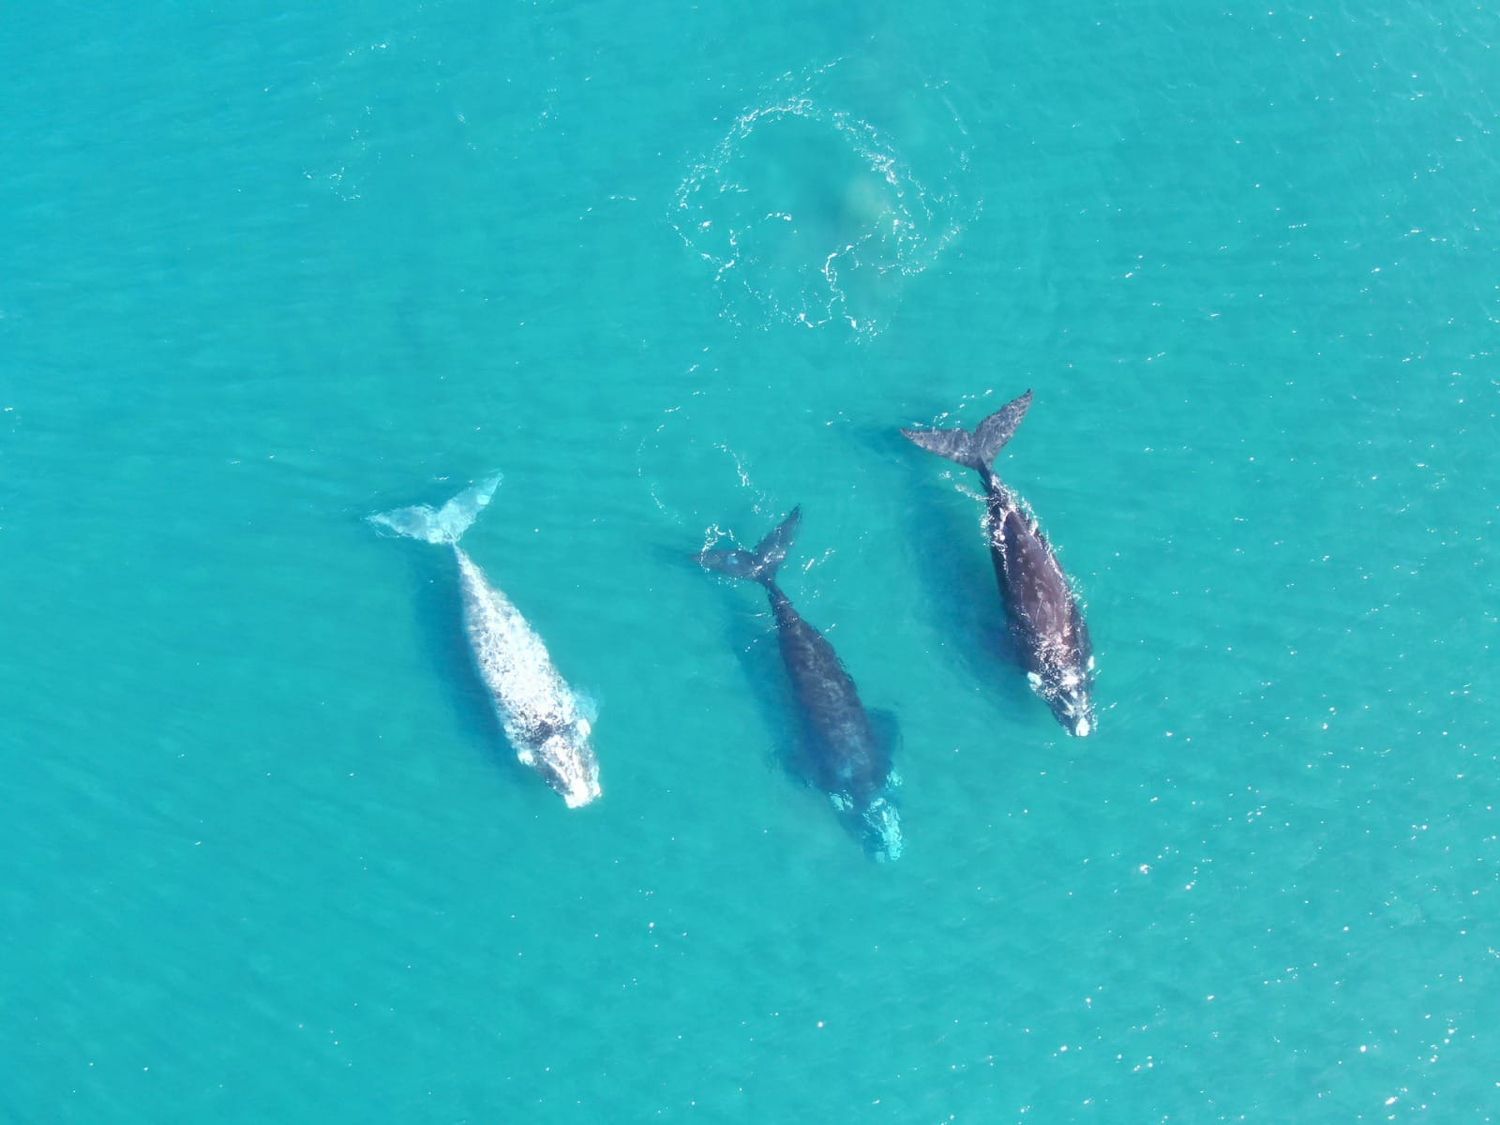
(541, 715)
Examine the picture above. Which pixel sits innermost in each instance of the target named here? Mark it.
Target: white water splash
(808, 214)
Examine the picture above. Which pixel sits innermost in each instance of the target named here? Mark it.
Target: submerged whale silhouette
(849, 760)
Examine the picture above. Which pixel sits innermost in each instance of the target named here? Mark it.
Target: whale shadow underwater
(751, 637)
(959, 589)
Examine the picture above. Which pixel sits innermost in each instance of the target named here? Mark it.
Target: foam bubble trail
(810, 215)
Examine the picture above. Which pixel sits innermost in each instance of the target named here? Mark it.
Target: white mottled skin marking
(528, 692)
(885, 822)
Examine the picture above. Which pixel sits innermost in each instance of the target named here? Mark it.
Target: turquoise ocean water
(676, 268)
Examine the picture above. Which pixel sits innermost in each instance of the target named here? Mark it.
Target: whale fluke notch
(978, 449)
(761, 564)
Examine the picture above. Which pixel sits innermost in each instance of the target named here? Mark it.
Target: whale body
(848, 758)
(1039, 600)
(541, 716)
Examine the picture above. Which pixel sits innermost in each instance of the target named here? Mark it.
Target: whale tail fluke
(440, 525)
(978, 449)
(761, 564)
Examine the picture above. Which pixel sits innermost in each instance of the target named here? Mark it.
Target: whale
(543, 718)
(1040, 602)
(847, 756)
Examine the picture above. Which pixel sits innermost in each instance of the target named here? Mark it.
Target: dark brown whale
(849, 759)
(1039, 601)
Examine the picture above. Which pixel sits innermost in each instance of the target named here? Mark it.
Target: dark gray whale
(848, 759)
(1039, 600)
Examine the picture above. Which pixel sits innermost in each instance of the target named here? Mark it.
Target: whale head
(1067, 691)
(566, 762)
(882, 829)
(874, 822)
